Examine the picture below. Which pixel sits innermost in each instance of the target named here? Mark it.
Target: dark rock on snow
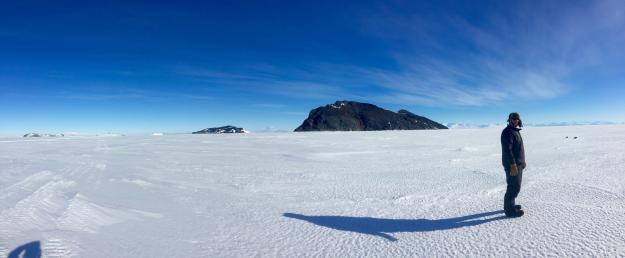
(223, 129)
(356, 116)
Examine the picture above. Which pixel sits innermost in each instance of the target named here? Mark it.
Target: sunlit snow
(337, 194)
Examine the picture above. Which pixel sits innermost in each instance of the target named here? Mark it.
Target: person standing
(513, 160)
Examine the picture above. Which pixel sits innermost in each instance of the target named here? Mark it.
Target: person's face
(515, 121)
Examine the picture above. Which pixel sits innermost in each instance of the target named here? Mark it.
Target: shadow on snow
(381, 227)
(30, 250)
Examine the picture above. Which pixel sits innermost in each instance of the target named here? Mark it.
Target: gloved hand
(514, 171)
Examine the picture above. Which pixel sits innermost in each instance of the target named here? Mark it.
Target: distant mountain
(28, 135)
(573, 123)
(223, 129)
(356, 116)
(472, 126)
(501, 125)
(271, 129)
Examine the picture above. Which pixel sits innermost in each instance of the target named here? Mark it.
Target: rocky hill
(356, 116)
(223, 129)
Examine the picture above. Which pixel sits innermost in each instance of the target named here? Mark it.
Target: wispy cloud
(523, 51)
(102, 94)
(269, 105)
(126, 93)
(301, 114)
(302, 83)
(447, 84)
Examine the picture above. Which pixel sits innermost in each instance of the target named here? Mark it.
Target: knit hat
(515, 115)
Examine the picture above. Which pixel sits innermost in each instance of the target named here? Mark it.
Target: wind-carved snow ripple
(39, 209)
(56, 206)
(339, 154)
(17, 191)
(83, 215)
(4, 251)
(56, 247)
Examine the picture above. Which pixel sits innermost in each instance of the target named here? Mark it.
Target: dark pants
(514, 187)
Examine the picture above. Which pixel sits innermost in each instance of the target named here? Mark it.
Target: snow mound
(54, 205)
(83, 215)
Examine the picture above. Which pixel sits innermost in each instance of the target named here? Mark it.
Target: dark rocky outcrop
(356, 116)
(223, 129)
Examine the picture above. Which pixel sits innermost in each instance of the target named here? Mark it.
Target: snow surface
(338, 194)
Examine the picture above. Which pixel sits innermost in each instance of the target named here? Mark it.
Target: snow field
(391, 193)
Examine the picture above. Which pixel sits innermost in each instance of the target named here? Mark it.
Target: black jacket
(512, 150)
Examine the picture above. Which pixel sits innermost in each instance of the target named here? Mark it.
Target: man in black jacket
(513, 160)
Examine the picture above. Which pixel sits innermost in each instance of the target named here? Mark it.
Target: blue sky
(140, 67)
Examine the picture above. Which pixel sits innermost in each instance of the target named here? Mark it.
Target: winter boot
(514, 214)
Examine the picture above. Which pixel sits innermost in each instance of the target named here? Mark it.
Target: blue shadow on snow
(381, 227)
(30, 250)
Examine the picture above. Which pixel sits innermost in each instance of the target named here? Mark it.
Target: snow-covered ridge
(574, 123)
(44, 135)
(271, 129)
(471, 126)
(71, 134)
(497, 125)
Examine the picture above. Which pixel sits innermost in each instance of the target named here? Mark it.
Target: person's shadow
(382, 227)
(30, 250)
